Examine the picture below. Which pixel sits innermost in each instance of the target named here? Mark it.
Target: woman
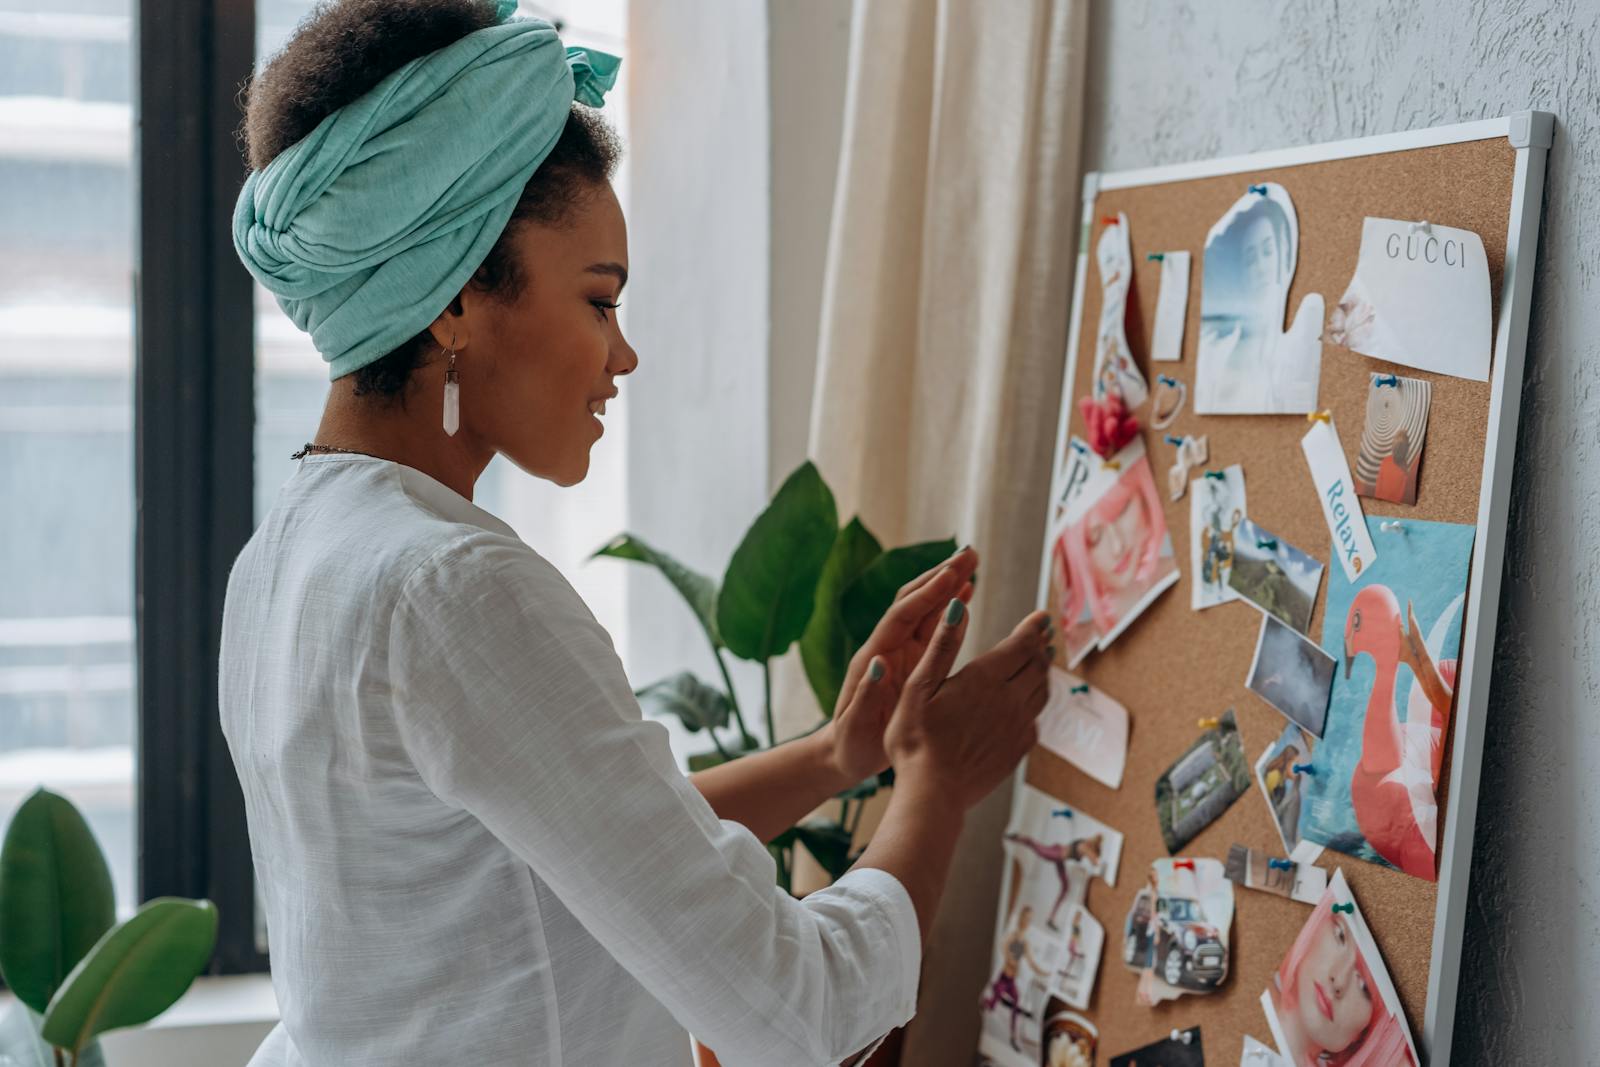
(1119, 550)
(1014, 952)
(1328, 1006)
(470, 847)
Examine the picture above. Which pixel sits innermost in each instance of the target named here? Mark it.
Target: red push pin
(1109, 220)
(1179, 865)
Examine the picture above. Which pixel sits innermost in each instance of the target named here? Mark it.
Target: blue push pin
(1268, 543)
(1084, 688)
(1303, 768)
(1155, 257)
(1167, 380)
(1281, 865)
(1217, 476)
(1061, 813)
(1176, 442)
(1348, 909)
(1392, 381)
(1262, 189)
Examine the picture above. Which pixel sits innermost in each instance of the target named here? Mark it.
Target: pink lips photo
(1324, 1005)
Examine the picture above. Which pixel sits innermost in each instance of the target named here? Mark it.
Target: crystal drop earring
(452, 394)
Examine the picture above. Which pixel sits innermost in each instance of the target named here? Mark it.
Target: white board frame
(1530, 133)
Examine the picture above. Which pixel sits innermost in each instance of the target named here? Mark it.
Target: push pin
(1281, 865)
(1320, 416)
(1183, 1037)
(1155, 257)
(1348, 909)
(1179, 865)
(1218, 476)
(1392, 526)
(1268, 543)
(1206, 724)
(1079, 446)
(1391, 380)
(1259, 189)
(1303, 768)
(1425, 226)
(1111, 464)
(1167, 380)
(1084, 688)
(1061, 813)
(1175, 442)
(1109, 220)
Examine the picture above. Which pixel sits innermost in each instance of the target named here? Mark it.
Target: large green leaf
(55, 896)
(768, 592)
(134, 973)
(698, 705)
(869, 596)
(828, 843)
(696, 589)
(825, 646)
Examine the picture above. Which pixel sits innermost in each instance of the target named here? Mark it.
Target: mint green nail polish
(954, 612)
(875, 671)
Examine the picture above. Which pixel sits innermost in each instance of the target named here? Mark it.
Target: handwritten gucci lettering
(1426, 248)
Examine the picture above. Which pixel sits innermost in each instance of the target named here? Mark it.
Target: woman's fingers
(922, 600)
(1021, 647)
(964, 562)
(941, 652)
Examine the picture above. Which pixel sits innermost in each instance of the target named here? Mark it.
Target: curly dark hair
(341, 50)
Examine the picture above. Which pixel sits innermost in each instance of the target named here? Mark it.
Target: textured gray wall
(1176, 81)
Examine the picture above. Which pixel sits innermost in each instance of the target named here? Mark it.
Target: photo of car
(1189, 952)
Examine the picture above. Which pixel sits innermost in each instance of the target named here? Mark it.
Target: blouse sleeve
(512, 704)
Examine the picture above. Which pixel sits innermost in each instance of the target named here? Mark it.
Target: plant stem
(766, 689)
(715, 740)
(60, 1062)
(733, 698)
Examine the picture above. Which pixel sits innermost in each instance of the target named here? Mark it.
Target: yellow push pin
(1320, 416)
(1207, 724)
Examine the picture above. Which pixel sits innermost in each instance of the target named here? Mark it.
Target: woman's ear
(450, 329)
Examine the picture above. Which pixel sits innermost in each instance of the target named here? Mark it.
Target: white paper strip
(1336, 491)
(1172, 307)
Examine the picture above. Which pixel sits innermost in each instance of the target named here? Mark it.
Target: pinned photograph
(1373, 791)
(1281, 877)
(1181, 1051)
(1248, 364)
(1280, 772)
(1115, 373)
(1391, 445)
(1119, 553)
(1070, 1040)
(1085, 727)
(1176, 933)
(1203, 784)
(1046, 944)
(1293, 675)
(1216, 510)
(1331, 1000)
(1419, 297)
(1074, 980)
(1076, 633)
(1274, 575)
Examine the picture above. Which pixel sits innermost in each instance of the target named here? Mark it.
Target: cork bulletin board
(1175, 665)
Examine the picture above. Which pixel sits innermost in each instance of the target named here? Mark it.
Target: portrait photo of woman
(1330, 1003)
(1118, 548)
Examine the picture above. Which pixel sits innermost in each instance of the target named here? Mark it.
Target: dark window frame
(194, 425)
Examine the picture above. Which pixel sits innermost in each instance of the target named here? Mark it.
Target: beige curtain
(943, 337)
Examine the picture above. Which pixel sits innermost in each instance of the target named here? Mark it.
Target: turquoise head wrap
(370, 225)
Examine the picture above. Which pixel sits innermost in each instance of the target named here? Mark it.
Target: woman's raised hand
(878, 671)
(963, 734)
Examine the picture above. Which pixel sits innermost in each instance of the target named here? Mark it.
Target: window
(67, 666)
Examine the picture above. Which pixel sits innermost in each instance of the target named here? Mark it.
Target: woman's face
(536, 372)
(1259, 254)
(1334, 1002)
(1115, 541)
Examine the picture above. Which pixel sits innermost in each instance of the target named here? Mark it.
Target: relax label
(1347, 526)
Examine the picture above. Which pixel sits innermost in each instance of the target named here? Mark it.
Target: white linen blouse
(470, 845)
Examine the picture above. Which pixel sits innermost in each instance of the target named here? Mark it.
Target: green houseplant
(75, 971)
(796, 576)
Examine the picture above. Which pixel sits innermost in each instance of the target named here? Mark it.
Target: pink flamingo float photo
(1394, 788)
